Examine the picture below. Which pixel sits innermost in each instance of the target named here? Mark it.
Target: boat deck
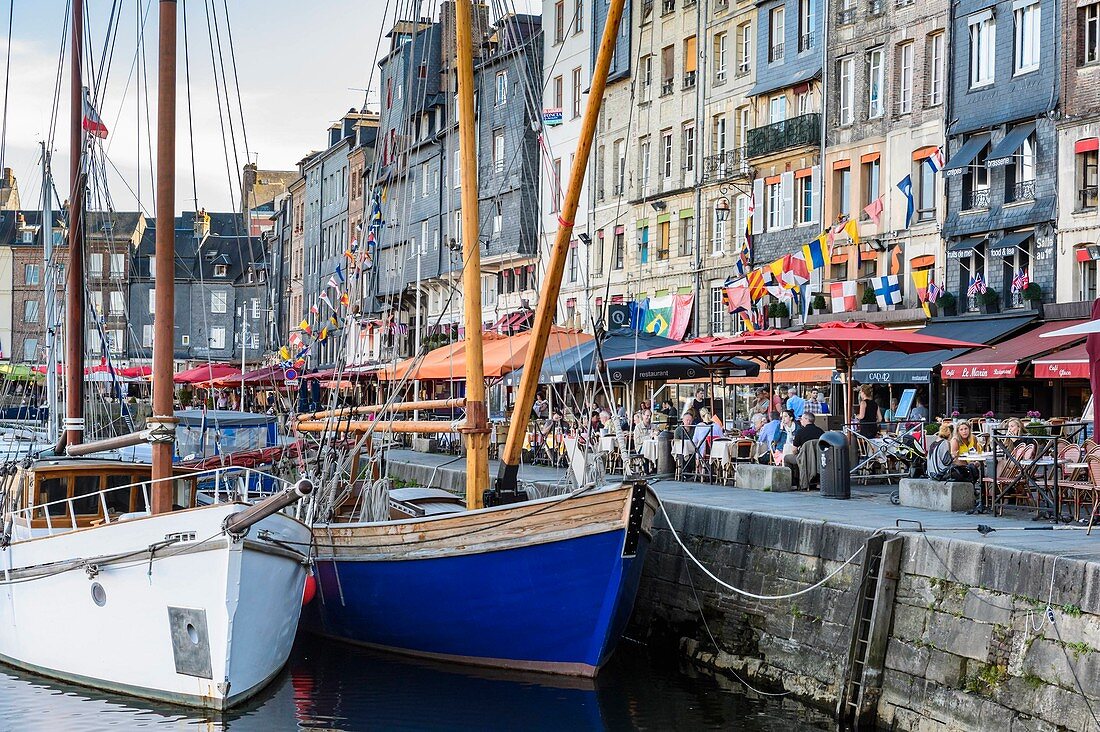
(869, 507)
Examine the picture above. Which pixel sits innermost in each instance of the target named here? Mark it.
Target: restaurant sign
(1062, 370)
(551, 116)
(892, 376)
(980, 371)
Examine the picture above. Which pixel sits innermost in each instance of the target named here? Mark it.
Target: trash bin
(665, 464)
(836, 468)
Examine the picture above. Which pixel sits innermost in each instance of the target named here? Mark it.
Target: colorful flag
(816, 253)
(874, 209)
(658, 316)
(314, 310)
(935, 160)
(345, 299)
(284, 353)
(934, 292)
(738, 298)
(921, 282)
(333, 283)
(340, 273)
(304, 326)
(887, 290)
(774, 286)
(294, 339)
(976, 286)
(91, 122)
(681, 316)
(1020, 281)
(756, 284)
(851, 228)
(905, 185)
(779, 267)
(323, 334)
(843, 295)
(798, 272)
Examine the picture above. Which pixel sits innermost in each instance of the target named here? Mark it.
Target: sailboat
(111, 575)
(541, 585)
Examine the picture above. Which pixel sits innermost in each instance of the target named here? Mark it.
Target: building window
(842, 180)
(802, 102)
(744, 55)
(1087, 179)
(688, 152)
(218, 301)
(969, 266)
(147, 336)
(646, 73)
(559, 92)
(666, 153)
(718, 232)
(618, 253)
(871, 171)
(153, 261)
(1020, 174)
(777, 108)
(30, 311)
(1026, 57)
(668, 70)
(573, 261)
(576, 100)
(559, 21)
(774, 206)
(804, 199)
(217, 337)
(806, 12)
(498, 151)
(719, 311)
(117, 306)
(152, 300)
(976, 183)
(1012, 263)
(498, 219)
(95, 264)
(720, 58)
(687, 236)
(875, 83)
(620, 164)
(30, 348)
(578, 16)
(983, 48)
(905, 78)
(30, 274)
(1088, 34)
(691, 59)
(925, 191)
(643, 163)
(664, 240)
(1086, 274)
(847, 89)
(643, 244)
(740, 221)
(221, 270)
(718, 135)
(555, 187)
(775, 34)
(935, 69)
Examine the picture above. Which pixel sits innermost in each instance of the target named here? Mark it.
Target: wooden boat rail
(427, 404)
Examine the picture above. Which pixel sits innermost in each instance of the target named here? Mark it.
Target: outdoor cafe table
(1040, 474)
(649, 449)
(979, 459)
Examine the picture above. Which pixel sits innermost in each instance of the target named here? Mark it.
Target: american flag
(977, 285)
(1020, 281)
(934, 292)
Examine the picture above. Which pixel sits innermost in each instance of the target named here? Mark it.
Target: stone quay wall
(972, 645)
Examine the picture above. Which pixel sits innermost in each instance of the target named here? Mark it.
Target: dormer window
(251, 276)
(221, 270)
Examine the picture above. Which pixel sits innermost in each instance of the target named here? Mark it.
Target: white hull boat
(168, 607)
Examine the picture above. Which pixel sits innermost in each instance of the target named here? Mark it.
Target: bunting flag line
(340, 274)
(905, 185)
(887, 290)
(738, 299)
(843, 296)
(774, 286)
(756, 284)
(323, 297)
(345, 299)
(304, 326)
(851, 228)
(816, 253)
(314, 310)
(779, 267)
(333, 283)
(874, 209)
(798, 272)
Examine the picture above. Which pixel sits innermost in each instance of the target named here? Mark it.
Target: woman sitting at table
(1014, 433)
(943, 459)
(964, 443)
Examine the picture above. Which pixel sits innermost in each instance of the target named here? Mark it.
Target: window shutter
(786, 197)
(815, 194)
(758, 201)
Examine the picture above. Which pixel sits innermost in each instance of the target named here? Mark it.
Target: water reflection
(329, 686)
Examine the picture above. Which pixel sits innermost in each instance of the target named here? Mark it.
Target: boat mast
(74, 300)
(50, 304)
(476, 428)
(507, 477)
(162, 432)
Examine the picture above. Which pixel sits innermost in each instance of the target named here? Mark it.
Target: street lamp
(722, 209)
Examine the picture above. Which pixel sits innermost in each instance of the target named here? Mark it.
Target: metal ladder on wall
(874, 612)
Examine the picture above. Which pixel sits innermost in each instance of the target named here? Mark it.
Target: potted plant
(989, 301)
(819, 303)
(1035, 424)
(1032, 294)
(947, 304)
(780, 314)
(869, 303)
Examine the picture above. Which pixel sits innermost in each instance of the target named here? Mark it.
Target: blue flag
(906, 187)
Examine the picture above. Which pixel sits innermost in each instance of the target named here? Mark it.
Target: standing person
(796, 404)
(812, 405)
(698, 402)
(779, 401)
(869, 415)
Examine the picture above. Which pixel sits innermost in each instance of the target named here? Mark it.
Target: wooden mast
(162, 425)
(476, 429)
(74, 300)
(544, 314)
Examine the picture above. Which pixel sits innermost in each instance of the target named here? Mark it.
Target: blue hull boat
(545, 585)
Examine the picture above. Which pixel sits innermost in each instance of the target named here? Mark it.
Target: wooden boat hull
(545, 585)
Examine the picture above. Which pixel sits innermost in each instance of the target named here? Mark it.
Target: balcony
(805, 42)
(668, 6)
(976, 199)
(876, 7)
(689, 80)
(743, 69)
(1086, 198)
(725, 165)
(667, 87)
(1023, 191)
(775, 53)
(799, 131)
(846, 17)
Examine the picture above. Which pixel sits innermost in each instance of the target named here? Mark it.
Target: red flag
(874, 209)
(91, 122)
(756, 284)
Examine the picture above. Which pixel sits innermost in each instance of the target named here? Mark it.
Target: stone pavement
(869, 507)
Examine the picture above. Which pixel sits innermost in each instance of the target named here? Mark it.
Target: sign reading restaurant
(981, 371)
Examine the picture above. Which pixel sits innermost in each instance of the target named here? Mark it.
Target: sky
(301, 64)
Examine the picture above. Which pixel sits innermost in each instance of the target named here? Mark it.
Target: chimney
(202, 225)
(9, 179)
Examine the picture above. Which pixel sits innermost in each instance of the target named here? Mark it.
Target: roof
(886, 367)
(1008, 358)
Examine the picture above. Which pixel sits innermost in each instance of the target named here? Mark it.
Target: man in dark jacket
(807, 431)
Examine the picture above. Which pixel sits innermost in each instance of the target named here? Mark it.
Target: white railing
(226, 488)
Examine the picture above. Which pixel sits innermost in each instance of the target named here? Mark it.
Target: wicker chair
(1086, 490)
(1008, 474)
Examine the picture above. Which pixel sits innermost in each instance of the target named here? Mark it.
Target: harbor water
(330, 686)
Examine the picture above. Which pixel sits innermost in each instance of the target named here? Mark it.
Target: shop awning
(1006, 247)
(1009, 358)
(628, 370)
(963, 247)
(802, 368)
(580, 363)
(961, 160)
(1071, 363)
(205, 374)
(1003, 152)
(897, 368)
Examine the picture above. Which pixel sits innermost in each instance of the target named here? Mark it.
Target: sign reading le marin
(983, 371)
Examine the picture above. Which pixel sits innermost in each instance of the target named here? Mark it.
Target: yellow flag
(851, 228)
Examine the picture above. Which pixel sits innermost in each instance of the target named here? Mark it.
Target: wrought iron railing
(805, 42)
(1087, 197)
(689, 79)
(775, 53)
(726, 165)
(1024, 191)
(846, 17)
(667, 87)
(794, 132)
(977, 199)
(876, 7)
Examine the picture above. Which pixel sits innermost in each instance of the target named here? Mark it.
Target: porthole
(99, 595)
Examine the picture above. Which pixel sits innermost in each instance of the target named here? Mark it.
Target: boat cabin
(70, 493)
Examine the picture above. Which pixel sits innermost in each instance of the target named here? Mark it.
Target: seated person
(705, 432)
(943, 459)
(768, 436)
(807, 431)
(684, 431)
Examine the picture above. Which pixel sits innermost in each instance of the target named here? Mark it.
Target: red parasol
(205, 373)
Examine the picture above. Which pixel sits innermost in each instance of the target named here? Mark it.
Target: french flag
(935, 160)
(92, 124)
